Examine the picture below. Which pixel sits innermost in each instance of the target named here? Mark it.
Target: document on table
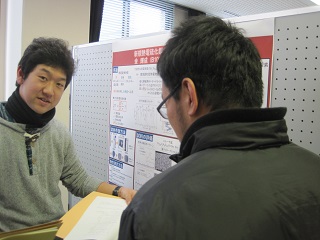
(101, 220)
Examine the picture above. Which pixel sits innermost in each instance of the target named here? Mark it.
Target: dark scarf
(22, 113)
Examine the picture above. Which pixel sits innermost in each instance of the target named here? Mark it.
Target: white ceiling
(235, 8)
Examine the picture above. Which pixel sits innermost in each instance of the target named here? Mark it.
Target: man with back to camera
(237, 174)
(36, 150)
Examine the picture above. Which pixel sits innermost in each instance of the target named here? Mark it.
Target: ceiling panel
(235, 8)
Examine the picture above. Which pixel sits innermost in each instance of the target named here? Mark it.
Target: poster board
(135, 141)
(141, 141)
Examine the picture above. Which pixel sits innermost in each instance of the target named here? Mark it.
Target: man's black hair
(53, 52)
(224, 65)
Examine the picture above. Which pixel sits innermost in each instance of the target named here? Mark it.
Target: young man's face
(43, 88)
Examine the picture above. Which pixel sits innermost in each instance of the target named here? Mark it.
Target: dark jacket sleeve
(127, 224)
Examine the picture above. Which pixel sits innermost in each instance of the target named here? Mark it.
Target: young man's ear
(20, 76)
(190, 96)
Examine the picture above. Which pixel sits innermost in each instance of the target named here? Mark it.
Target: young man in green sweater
(36, 150)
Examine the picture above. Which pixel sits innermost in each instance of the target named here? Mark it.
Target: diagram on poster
(141, 141)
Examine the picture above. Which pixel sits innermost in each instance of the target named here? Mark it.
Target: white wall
(10, 44)
(2, 48)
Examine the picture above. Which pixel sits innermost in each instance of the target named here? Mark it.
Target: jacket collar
(235, 129)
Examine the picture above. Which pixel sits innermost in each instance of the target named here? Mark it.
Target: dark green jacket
(237, 177)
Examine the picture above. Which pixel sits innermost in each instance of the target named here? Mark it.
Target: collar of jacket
(235, 129)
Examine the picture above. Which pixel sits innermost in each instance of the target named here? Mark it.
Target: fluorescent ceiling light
(316, 1)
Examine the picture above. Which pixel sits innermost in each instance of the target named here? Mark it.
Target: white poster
(141, 140)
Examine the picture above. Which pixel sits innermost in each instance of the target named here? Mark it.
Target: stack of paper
(100, 221)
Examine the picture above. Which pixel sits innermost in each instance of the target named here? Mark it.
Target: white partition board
(90, 101)
(296, 76)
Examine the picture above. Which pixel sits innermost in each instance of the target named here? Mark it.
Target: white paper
(101, 220)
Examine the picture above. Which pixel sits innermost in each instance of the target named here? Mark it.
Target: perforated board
(90, 101)
(296, 76)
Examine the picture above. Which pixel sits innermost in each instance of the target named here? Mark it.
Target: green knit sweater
(26, 199)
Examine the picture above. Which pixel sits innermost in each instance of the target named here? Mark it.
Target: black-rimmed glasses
(162, 109)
